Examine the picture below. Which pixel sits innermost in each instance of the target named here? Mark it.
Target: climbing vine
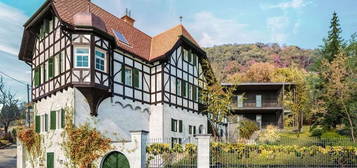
(83, 144)
(31, 141)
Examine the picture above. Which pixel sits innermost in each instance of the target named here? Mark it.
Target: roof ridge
(172, 28)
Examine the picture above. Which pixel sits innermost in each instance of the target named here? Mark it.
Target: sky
(303, 23)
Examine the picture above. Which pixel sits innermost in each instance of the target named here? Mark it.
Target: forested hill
(229, 59)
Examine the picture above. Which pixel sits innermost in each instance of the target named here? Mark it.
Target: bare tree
(10, 110)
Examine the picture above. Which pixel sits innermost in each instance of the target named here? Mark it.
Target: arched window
(115, 160)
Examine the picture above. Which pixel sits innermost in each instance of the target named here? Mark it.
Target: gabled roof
(140, 44)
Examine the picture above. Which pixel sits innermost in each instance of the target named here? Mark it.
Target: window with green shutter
(46, 122)
(53, 120)
(51, 67)
(180, 125)
(37, 76)
(63, 117)
(50, 160)
(136, 78)
(194, 130)
(38, 124)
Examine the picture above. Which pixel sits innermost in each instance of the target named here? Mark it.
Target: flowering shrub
(269, 135)
(247, 128)
(83, 144)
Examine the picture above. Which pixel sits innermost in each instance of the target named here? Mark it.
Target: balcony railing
(265, 103)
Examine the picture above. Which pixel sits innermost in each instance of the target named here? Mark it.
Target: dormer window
(100, 60)
(81, 56)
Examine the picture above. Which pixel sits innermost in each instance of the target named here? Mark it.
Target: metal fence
(312, 152)
(172, 153)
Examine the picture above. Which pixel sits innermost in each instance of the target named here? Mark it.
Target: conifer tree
(334, 42)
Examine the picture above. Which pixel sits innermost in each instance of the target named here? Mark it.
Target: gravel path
(8, 157)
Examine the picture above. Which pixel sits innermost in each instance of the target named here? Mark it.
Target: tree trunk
(350, 122)
(6, 127)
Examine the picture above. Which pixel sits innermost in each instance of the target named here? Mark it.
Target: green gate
(115, 160)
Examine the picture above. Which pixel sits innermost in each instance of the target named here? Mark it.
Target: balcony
(252, 104)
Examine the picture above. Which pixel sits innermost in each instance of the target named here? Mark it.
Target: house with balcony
(260, 102)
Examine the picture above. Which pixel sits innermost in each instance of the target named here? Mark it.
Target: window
(180, 125)
(81, 57)
(178, 87)
(184, 52)
(46, 122)
(194, 130)
(63, 118)
(240, 100)
(51, 67)
(130, 76)
(190, 129)
(173, 125)
(194, 93)
(189, 56)
(258, 100)
(37, 76)
(100, 60)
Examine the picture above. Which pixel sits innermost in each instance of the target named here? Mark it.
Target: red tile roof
(141, 44)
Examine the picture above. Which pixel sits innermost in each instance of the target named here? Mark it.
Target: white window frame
(75, 56)
(127, 74)
(260, 102)
(240, 102)
(104, 59)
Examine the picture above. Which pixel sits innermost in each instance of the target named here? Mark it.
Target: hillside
(229, 59)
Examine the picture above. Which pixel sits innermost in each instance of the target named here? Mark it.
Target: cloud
(290, 4)
(11, 20)
(278, 28)
(210, 30)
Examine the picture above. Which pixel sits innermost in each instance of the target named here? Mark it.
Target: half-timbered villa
(111, 74)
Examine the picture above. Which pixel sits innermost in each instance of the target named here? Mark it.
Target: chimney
(127, 17)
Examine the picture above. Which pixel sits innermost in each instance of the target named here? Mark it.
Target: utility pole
(27, 115)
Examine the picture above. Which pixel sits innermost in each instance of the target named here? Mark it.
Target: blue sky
(288, 22)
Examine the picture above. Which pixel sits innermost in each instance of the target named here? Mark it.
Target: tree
(297, 99)
(217, 100)
(333, 43)
(258, 72)
(341, 88)
(10, 110)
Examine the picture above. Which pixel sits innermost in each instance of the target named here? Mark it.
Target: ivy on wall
(31, 140)
(82, 145)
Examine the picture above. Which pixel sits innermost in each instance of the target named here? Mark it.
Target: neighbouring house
(260, 102)
(114, 76)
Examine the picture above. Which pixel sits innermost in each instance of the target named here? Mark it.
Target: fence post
(20, 161)
(139, 138)
(203, 152)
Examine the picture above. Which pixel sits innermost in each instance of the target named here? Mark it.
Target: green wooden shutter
(189, 56)
(51, 68)
(194, 59)
(50, 160)
(183, 90)
(37, 76)
(194, 92)
(180, 125)
(194, 129)
(172, 125)
(123, 74)
(63, 117)
(53, 120)
(46, 122)
(38, 124)
(136, 77)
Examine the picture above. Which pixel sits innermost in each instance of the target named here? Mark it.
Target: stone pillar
(139, 139)
(203, 152)
(20, 158)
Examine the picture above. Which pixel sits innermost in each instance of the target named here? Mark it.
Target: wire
(22, 82)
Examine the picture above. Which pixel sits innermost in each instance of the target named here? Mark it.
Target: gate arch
(115, 159)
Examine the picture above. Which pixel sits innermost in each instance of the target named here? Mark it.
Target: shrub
(317, 132)
(246, 128)
(269, 135)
